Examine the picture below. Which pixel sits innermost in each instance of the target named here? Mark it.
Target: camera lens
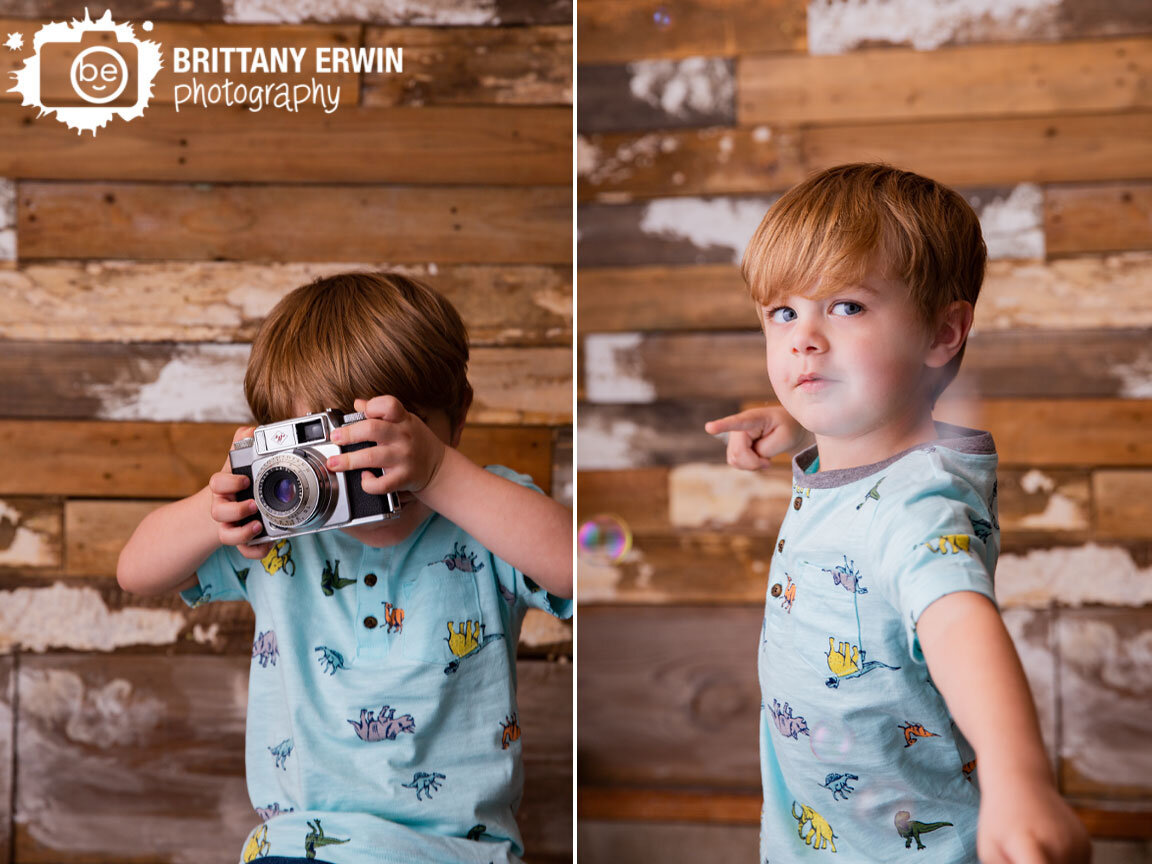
(281, 489)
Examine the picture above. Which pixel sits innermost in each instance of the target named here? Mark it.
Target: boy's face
(852, 364)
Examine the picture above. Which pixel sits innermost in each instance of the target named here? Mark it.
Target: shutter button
(796, 502)
(369, 622)
(370, 579)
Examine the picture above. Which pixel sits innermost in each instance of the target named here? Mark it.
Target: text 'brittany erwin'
(328, 59)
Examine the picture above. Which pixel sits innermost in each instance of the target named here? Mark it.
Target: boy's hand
(406, 449)
(758, 434)
(1029, 823)
(227, 511)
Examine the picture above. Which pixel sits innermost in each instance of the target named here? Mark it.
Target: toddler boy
(895, 715)
(382, 719)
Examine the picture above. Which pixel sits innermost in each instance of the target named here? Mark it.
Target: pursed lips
(811, 382)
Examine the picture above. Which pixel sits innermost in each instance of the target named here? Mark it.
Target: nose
(808, 338)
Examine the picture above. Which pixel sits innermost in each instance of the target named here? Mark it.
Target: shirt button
(780, 546)
(776, 589)
(796, 502)
(369, 622)
(370, 579)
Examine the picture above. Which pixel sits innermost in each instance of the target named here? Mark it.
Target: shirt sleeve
(514, 583)
(928, 545)
(223, 576)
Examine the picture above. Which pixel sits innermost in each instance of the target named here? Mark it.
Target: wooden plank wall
(692, 118)
(136, 267)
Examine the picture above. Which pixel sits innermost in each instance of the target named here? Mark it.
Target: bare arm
(758, 434)
(1023, 819)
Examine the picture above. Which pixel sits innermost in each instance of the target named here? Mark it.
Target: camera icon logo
(87, 72)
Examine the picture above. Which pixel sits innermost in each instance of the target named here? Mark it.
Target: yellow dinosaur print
(466, 641)
(957, 542)
(280, 556)
(257, 844)
(819, 831)
(843, 660)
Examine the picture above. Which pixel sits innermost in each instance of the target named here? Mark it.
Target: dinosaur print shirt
(858, 753)
(382, 722)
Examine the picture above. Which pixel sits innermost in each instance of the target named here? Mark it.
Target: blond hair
(825, 233)
(355, 336)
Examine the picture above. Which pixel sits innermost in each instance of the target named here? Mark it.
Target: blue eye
(781, 314)
(850, 308)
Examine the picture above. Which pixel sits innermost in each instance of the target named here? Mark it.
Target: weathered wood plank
(166, 460)
(461, 13)
(7, 220)
(1015, 79)
(634, 367)
(657, 94)
(129, 10)
(298, 223)
(610, 31)
(1098, 218)
(490, 145)
(837, 27)
(661, 433)
(224, 301)
(31, 535)
(972, 152)
(7, 742)
(92, 724)
(86, 380)
(563, 466)
(1110, 291)
(1105, 686)
(56, 88)
(1123, 503)
(473, 66)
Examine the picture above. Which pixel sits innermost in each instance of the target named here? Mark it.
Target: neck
(878, 444)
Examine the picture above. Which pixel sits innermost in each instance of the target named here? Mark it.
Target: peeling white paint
(597, 167)
(1039, 662)
(706, 223)
(605, 446)
(1036, 481)
(1060, 513)
(540, 628)
(36, 619)
(836, 26)
(555, 301)
(7, 220)
(762, 134)
(614, 371)
(1135, 377)
(205, 635)
(200, 384)
(103, 716)
(441, 13)
(1013, 227)
(701, 495)
(681, 89)
(1072, 576)
(588, 156)
(28, 547)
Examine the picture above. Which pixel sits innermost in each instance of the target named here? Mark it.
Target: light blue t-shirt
(858, 752)
(382, 720)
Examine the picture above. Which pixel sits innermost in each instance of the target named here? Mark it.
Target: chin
(391, 531)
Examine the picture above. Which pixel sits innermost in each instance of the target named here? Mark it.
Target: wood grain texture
(1107, 291)
(421, 12)
(473, 66)
(1123, 503)
(1098, 218)
(497, 146)
(282, 223)
(657, 94)
(30, 533)
(56, 88)
(610, 31)
(978, 152)
(137, 10)
(225, 301)
(1000, 80)
(7, 742)
(168, 460)
(166, 735)
(661, 433)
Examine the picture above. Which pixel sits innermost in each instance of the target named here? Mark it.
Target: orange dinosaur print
(789, 595)
(914, 731)
(968, 768)
(509, 731)
(394, 615)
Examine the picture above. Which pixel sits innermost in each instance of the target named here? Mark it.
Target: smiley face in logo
(99, 74)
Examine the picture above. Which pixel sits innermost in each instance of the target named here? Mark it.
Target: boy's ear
(951, 331)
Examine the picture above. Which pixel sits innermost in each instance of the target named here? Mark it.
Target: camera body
(290, 481)
(102, 68)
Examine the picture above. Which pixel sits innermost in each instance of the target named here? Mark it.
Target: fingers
(255, 552)
(231, 534)
(227, 483)
(383, 407)
(741, 453)
(752, 420)
(243, 432)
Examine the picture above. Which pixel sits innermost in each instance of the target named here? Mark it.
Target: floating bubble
(662, 18)
(831, 742)
(605, 538)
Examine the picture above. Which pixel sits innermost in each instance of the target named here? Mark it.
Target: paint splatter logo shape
(89, 72)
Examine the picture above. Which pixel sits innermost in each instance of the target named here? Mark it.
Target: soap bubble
(831, 742)
(662, 18)
(605, 538)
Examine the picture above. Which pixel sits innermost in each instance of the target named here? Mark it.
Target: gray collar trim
(958, 438)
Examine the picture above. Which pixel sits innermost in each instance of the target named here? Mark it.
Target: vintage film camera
(294, 490)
